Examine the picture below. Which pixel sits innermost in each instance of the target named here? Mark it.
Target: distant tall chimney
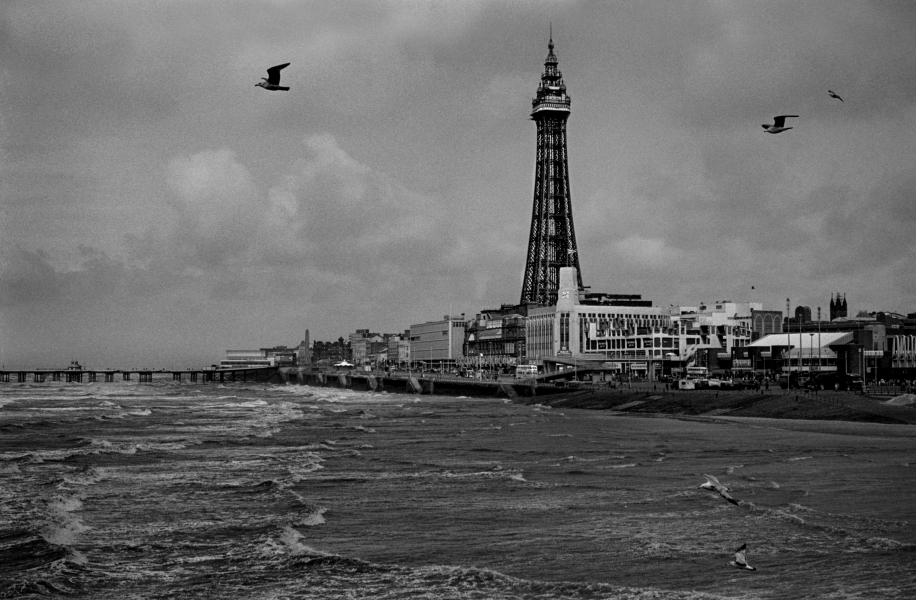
(304, 355)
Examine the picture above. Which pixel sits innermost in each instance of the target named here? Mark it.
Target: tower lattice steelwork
(552, 242)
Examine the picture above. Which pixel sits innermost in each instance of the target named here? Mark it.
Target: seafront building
(618, 337)
(883, 342)
(329, 353)
(765, 322)
(495, 338)
(304, 352)
(809, 353)
(398, 350)
(279, 356)
(626, 334)
(438, 344)
(708, 334)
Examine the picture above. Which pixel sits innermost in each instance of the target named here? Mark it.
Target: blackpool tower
(552, 242)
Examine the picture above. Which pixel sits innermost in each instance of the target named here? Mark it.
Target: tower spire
(552, 241)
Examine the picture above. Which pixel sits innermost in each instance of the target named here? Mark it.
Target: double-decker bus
(526, 371)
(692, 376)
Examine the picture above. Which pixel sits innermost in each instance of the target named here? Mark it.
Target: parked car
(794, 380)
(742, 384)
(829, 381)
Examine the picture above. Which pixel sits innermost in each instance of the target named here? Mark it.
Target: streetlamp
(810, 352)
(789, 344)
(818, 340)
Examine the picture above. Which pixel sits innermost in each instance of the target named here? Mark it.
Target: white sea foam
(65, 504)
(251, 403)
(316, 518)
(298, 472)
(76, 557)
(97, 446)
(290, 543)
(200, 559)
(579, 459)
(361, 428)
(61, 526)
(67, 408)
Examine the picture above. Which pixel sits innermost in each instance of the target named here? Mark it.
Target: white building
(438, 344)
(708, 333)
(634, 337)
(808, 351)
(613, 337)
(238, 359)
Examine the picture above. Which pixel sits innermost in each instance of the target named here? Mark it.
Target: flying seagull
(740, 561)
(272, 81)
(834, 95)
(778, 125)
(713, 484)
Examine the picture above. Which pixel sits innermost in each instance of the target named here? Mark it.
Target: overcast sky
(156, 208)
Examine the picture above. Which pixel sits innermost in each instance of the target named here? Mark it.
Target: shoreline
(639, 399)
(841, 406)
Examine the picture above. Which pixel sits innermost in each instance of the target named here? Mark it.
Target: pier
(415, 383)
(141, 375)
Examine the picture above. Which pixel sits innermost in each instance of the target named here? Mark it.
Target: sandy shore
(776, 404)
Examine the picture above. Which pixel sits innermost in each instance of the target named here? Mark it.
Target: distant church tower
(838, 307)
(552, 242)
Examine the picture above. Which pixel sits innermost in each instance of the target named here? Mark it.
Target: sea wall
(368, 382)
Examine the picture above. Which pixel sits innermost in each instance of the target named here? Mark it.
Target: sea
(247, 490)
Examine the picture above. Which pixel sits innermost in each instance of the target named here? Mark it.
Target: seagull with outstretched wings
(834, 95)
(740, 561)
(779, 124)
(713, 484)
(272, 81)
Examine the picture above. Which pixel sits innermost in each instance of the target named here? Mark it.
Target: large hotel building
(627, 334)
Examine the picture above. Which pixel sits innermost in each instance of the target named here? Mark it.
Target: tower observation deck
(552, 241)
